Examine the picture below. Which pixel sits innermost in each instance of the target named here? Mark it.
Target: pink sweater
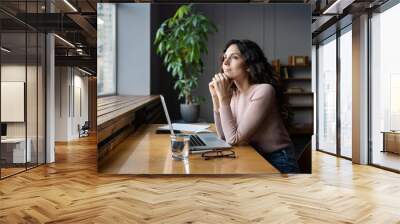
(253, 117)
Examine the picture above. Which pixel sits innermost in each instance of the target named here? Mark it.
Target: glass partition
(13, 95)
(41, 86)
(31, 98)
(22, 64)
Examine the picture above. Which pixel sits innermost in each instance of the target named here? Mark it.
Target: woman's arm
(217, 119)
(259, 107)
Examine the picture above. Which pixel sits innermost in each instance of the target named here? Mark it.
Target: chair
(304, 158)
(84, 130)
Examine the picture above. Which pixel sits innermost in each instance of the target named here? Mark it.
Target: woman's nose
(226, 61)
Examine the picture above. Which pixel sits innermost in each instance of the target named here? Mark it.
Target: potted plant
(180, 41)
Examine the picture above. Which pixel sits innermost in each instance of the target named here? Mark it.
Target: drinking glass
(180, 146)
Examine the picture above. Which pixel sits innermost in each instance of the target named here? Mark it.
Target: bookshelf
(297, 79)
(296, 83)
(299, 93)
(297, 86)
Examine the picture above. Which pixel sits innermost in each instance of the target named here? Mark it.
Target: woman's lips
(228, 73)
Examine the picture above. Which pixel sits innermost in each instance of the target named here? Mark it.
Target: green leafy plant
(180, 41)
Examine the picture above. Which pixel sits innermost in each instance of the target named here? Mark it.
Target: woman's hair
(260, 71)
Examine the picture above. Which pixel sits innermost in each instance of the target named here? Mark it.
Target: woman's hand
(214, 96)
(222, 84)
(213, 91)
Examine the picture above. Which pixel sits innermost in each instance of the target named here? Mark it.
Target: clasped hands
(220, 89)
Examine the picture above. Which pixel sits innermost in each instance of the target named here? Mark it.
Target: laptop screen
(167, 115)
(3, 129)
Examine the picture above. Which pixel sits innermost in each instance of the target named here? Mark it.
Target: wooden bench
(119, 116)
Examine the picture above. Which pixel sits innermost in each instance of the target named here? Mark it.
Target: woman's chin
(229, 75)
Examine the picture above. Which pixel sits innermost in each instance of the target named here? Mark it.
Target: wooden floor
(386, 159)
(5, 172)
(10, 171)
(71, 191)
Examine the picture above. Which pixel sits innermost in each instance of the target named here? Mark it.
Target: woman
(245, 99)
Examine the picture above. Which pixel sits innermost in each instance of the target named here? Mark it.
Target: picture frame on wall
(298, 60)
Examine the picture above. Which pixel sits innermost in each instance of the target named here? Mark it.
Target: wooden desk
(391, 141)
(119, 116)
(110, 108)
(145, 152)
(13, 150)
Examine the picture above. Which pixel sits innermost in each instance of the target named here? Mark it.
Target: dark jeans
(284, 160)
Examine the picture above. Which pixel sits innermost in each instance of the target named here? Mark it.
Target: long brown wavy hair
(260, 71)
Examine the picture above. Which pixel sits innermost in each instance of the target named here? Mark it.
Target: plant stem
(188, 95)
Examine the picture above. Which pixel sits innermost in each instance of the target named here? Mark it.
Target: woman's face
(233, 63)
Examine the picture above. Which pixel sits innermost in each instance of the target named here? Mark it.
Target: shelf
(302, 106)
(299, 93)
(298, 79)
(301, 131)
(297, 66)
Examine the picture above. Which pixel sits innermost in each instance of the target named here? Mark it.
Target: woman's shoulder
(262, 90)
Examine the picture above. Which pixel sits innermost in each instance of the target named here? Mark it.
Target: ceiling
(75, 21)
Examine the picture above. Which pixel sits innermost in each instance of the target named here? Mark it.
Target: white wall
(33, 106)
(71, 95)
(15, 72)
(133, 49)
(80, 103)
(61, 103)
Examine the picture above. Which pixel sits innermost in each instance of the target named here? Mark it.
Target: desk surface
(110, 108)
(145, 152)
(13, 140)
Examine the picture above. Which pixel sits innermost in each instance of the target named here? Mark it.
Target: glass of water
(180, 146)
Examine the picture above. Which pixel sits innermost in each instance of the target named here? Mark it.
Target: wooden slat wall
(119, 116)
(92, 116)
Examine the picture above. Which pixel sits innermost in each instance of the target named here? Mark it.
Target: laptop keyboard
(196, 141)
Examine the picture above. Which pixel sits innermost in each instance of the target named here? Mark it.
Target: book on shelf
(295, 90)
(285, 73)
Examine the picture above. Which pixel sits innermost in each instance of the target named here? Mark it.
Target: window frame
(371, 14)
(115, 54)
(333, 37)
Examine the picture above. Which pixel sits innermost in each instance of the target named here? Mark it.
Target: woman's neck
(242, 85)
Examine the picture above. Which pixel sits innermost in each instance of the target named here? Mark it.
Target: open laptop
(201, 142)
(3, 131)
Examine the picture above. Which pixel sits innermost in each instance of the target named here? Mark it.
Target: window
(346, 93)
(385, 84)
(106, 49)
(327, 95)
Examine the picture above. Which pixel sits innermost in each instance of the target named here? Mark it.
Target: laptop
(201, 142)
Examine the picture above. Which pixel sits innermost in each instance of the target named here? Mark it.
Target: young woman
(246, 100)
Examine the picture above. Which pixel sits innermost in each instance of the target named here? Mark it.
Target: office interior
(356, 87)
(127, 33)
(45, 95)
(354, 144)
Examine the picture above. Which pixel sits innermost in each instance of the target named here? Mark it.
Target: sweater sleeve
(217, 121)
(256, 111)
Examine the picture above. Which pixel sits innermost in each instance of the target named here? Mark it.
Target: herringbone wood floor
(71, 191)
